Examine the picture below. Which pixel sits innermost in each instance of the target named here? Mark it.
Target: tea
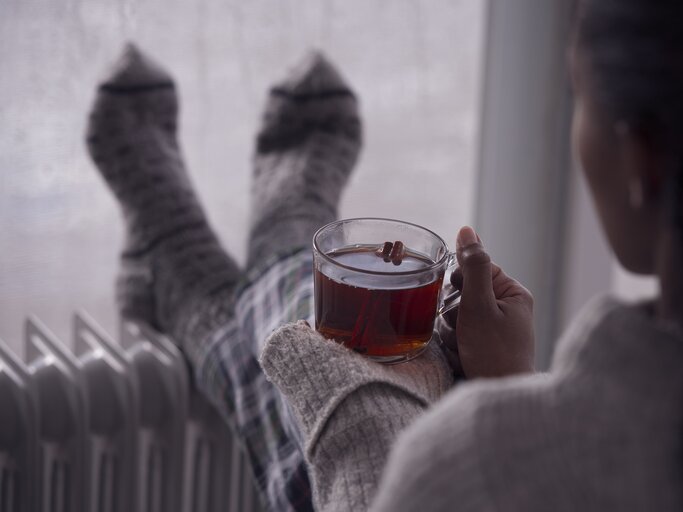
(370, 313)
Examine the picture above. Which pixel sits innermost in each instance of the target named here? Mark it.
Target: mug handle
(451, 300)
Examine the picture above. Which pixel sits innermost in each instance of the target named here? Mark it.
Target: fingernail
(466, 237)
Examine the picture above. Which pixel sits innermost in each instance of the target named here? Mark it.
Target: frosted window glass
(415, 65)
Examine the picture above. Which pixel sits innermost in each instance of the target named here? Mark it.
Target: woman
(604, 429)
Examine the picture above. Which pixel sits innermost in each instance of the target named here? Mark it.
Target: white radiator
(112, 427)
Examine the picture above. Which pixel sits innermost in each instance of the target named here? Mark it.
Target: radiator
(112, 427)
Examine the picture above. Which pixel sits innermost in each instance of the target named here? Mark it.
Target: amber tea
(374, 313)
(378, 285)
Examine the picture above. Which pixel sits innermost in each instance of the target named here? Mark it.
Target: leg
(172, 262)
(308, 145)
(176, 277)
(306, 149)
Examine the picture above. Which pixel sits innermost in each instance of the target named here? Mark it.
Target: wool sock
(174, 274)
(307, 146)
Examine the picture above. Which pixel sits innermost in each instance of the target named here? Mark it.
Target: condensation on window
(415, 64)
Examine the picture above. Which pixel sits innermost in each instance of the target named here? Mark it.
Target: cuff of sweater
(315, 374)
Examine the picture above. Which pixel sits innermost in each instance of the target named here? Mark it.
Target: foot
(171, 259)
(306, 149)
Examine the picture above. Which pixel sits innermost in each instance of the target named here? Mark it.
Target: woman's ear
(642, 165)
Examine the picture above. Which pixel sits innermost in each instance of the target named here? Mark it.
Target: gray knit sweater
(602, 431)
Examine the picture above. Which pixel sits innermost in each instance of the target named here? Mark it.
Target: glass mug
(378, 286)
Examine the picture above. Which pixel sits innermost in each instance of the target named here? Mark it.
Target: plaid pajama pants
(228, 373)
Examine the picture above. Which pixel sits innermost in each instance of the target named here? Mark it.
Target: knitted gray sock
(307, 146)
(174, 274)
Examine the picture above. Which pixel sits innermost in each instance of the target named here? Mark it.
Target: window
(416, 65)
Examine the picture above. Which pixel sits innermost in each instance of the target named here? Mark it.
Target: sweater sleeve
(435, 463)
(350, 409)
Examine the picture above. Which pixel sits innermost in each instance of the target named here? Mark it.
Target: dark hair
(633, 53)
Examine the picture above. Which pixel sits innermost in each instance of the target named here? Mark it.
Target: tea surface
(366, 258)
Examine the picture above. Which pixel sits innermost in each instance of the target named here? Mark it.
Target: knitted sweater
(602, 431)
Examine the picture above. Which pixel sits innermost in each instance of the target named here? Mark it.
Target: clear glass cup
(379, 286)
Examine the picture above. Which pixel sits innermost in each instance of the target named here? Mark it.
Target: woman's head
(627, 67)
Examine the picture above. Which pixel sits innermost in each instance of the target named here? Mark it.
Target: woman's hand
(494, 333)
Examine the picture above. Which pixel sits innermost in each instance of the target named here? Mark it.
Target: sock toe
(136, 92)
(136, 70)
(314, 75)
(312, 98)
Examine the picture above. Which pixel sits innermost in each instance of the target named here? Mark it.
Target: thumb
(477, 285)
